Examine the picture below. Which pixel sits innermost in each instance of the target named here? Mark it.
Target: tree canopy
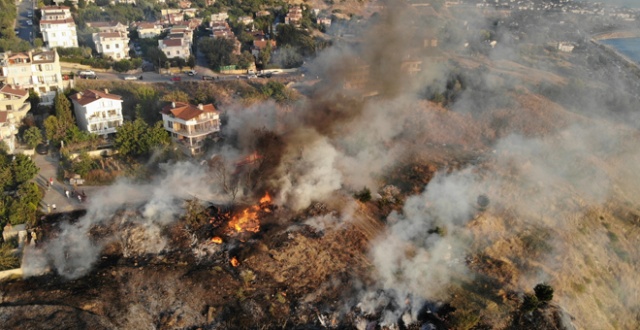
(137, 138)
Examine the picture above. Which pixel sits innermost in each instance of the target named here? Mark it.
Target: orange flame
(216, 240)
(235, 262)
(248, 219)
(265, 199)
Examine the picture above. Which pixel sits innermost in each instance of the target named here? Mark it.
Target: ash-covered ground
(487, 171)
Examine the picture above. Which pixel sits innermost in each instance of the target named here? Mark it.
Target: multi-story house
(13, 109)
(38, 71)
(294, 16)
(175, 47)
(57, 27)
(112, 26)
(149, 29)
(219, 18)
(261, 43)
(190, 125)
(97, 112)
(112, 44)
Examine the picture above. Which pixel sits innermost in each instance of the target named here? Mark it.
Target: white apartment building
(97, 112)
(149, 29)
(175, 47)
(57, 27)
(39, 71)
(112, 44)
(190, 125)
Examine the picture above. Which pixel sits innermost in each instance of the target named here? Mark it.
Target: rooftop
(89, 95)
(186, 111)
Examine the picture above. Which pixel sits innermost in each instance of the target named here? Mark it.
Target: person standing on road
(66, 192)
(50, 181)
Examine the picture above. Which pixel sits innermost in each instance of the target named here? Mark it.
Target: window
(177, 52)
(53, 34)
(169, 53)
(53, 88)
(43, 89)
(9, 107)
(117, 45)
(108, 46)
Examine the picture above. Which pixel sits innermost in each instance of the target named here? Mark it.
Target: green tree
(84, 164)
(62, 107)
(544, 292)
(191, 62)
(23, 169)
(219, 51)
(529, 303)
(51, 129)
(8, 259)
(136, 138)
(32, 136)
(176, 96)
(34, 99)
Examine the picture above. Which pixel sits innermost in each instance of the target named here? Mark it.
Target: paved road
(25, 31)
(48, 165)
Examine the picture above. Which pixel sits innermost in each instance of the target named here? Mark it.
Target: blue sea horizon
(629, 47)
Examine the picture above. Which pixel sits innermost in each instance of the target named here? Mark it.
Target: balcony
(94, 120)
(193, 132)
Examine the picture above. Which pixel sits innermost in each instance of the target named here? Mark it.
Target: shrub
(544, 292)
(363, 195)
(530, 303)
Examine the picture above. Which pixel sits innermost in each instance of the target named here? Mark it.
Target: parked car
(89, 76)
(208, 78)
(192, 72)
(131, 77)
(29, 22)
(87, 73)
(42, 148)
(176, 78)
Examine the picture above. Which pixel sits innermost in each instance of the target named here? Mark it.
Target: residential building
(184, 4)
(294, 16)
(191, 125)
(183, 32)
(324, 20)
(219, 17)
(260, 44)
(171, 19)
(263, 13)
(194, 23)
(13, 108)
(39, 71)
(246, 20)
(112, 44)
(97, 112)
(566, 47)
(175, 47)
(112, 26)
(149, 29)
(57, 27)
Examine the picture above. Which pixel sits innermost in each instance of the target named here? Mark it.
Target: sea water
(629, 47)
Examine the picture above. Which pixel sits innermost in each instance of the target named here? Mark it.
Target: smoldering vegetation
(557, 165)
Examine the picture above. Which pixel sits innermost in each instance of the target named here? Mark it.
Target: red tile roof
(87, 96)
(186, 111)
(172, 42)
(3, 116)
(6, 89)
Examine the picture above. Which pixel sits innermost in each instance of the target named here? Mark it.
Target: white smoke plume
(73, 252)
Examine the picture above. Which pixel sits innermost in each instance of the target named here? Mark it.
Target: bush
(544, 292)
(363, 195)
(530, 303)
(8, 259)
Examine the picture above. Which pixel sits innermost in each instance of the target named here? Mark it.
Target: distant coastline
(623, 34)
